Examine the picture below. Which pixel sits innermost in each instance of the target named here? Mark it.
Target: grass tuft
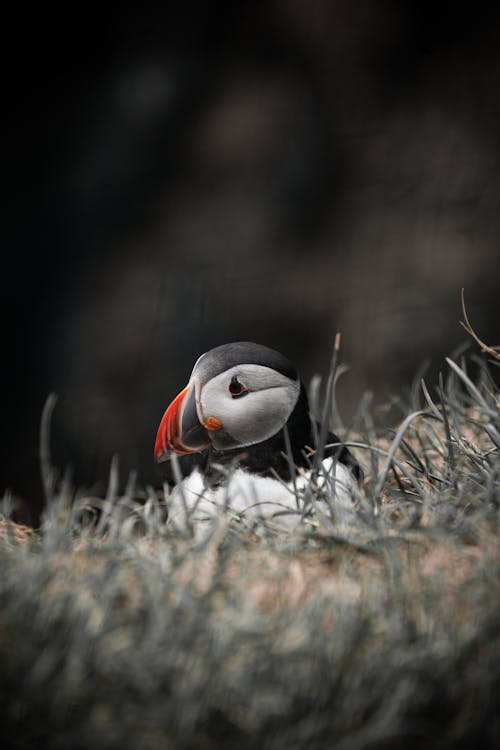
(380, 632)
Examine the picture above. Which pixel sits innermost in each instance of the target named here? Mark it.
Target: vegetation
(379, 631)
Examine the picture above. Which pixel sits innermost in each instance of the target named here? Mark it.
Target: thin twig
(493, 351)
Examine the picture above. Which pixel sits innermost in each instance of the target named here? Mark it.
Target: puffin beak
(180, 430)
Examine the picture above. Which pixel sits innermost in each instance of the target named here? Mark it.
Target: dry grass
(381, 632)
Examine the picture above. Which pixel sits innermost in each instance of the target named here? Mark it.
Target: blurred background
(182, 176)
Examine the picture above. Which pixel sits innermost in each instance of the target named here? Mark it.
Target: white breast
(249, 499)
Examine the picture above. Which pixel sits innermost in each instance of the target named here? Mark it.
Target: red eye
(236, 389)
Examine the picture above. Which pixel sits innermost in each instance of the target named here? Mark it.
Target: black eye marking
(236, 389)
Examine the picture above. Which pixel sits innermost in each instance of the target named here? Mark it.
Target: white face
(260, 413)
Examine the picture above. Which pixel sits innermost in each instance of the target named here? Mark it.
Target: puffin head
(238, 395)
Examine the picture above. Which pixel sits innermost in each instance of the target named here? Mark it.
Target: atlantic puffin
(244, 443)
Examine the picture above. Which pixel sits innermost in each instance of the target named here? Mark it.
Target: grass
(378, 633)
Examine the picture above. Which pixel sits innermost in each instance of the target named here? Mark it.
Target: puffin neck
(266, 458)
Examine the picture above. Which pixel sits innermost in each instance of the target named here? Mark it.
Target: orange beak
(167, 437)
(180, 430)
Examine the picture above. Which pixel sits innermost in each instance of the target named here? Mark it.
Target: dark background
(275, 171)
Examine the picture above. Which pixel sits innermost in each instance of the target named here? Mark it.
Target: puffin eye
(236, 389)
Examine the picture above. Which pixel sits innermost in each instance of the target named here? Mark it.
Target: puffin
(239, 441)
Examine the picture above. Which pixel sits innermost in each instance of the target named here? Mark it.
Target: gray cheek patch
(256, 416)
